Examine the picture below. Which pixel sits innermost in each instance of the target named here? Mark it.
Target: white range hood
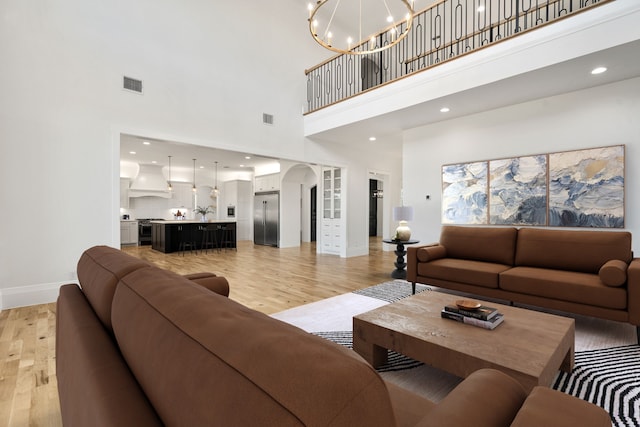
(150, 182)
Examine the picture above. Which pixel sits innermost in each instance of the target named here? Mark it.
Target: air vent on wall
(132, 84)
(267, 119)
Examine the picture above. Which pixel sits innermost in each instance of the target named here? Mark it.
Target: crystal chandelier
(360, 27)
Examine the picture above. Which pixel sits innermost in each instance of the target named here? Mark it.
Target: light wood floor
(264, 278)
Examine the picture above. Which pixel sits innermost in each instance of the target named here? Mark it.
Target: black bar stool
(228, 240)
(210, 238)
(186, 241)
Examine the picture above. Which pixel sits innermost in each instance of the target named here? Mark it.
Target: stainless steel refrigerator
(266, 218)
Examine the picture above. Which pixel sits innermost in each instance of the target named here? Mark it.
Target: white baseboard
(22, 296)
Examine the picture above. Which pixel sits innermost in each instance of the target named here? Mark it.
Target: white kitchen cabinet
(182, 197)
(124, 193)
(269, 182)
(238, 194)
(332, 235)
(331, 193)
(128, 232)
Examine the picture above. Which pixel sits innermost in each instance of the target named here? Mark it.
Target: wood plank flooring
(264, 278)
(270, 279)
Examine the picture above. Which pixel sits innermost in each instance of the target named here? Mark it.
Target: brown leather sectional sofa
(591, 273)
(141, 346)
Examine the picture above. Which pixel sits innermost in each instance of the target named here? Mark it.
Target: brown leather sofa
(141, 346)
(591, 273)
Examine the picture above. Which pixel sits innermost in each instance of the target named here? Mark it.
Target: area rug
(392, 291)
(608, 377)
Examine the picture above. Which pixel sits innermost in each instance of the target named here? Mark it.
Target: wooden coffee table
(529, 346)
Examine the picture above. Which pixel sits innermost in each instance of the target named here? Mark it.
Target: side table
(400, 272)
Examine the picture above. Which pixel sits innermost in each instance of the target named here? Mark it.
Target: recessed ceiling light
(146, 142)
(445, 110)
(201, 167)
(153, 161)
(247, 157)
(241, 166)
(132, 152)
(598, 70)
(372, 138)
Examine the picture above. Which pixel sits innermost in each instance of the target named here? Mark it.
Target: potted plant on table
(204, 211)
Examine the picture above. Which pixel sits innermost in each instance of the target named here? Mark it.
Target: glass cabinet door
(336, 193)
(331, 196)
(326, 194)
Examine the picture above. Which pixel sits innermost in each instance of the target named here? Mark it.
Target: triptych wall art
(583, 188)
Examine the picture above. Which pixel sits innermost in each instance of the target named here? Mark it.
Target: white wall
(208, 77)
(602, 116)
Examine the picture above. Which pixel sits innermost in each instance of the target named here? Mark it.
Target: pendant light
(214, 192)
(194, 176)
(169, 187)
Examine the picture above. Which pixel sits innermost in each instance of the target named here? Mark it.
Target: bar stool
(186, 241)
(210, 238)
(228, 240)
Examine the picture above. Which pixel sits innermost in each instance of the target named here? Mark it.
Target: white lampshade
(403, 213)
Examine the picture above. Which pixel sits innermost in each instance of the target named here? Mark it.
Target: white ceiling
(157, 151)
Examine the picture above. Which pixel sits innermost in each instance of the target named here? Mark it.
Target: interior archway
(295, 203)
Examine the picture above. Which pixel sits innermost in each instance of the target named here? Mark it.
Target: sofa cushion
(581, 288)
(430, 253)
(488, 244)
(546, 407)
(477, 273)
(584, 251)
(256, 370)
(468, 405)
(100, 268)
(613, 273)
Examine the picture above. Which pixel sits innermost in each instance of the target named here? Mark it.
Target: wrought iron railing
(440, 33)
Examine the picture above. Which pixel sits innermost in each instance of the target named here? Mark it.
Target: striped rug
(610, 378)
(391, 291)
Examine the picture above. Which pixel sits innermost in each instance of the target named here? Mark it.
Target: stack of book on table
(473, 313)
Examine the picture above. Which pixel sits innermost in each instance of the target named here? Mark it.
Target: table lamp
(402, 214)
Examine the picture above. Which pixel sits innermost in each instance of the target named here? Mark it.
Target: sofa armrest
(412, 260)
(633, 291)
(486, 398)
(217, 284)
(547, 407)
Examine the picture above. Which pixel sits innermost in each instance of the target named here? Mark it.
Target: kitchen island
(167, 235)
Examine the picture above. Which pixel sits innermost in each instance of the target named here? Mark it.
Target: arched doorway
(295, 203)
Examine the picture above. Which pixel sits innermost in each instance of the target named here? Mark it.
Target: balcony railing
(440, 33)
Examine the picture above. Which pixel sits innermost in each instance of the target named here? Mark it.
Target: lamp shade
(403, 213)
